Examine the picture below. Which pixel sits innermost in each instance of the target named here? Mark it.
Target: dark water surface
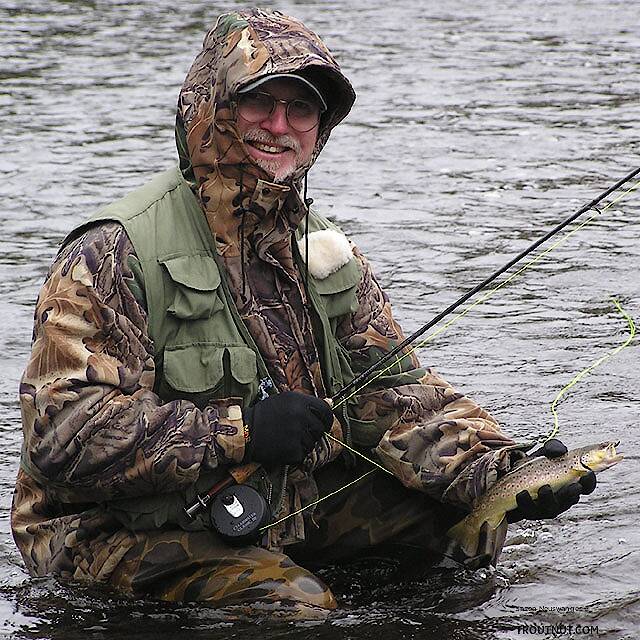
(477, 126)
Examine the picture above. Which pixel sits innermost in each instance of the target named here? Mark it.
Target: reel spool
(237, 513)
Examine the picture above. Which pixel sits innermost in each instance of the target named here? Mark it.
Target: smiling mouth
(267, 148)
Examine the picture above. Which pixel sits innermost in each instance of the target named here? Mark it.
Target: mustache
(260, 135)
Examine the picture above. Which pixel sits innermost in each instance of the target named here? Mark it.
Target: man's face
(272, 142)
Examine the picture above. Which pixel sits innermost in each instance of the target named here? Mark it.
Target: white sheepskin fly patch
(328, 251)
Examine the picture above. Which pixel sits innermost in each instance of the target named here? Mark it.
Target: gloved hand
(283, 428)
(551, 503)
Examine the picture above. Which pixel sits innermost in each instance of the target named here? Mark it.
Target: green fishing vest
(202, 348)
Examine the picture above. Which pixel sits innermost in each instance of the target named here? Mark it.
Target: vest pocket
(338, 290)
(220, 370)
(195, 279)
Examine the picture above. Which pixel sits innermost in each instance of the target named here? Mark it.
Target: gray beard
(271, 167)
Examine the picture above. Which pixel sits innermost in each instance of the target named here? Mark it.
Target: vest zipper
(285, 474)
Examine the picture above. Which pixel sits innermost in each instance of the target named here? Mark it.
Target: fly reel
(237, 512)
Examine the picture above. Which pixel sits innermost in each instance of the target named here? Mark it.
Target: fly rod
(361, 379)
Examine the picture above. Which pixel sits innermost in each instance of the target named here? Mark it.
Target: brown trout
(531, 475)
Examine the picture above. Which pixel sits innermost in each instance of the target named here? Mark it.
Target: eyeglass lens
(302, 115)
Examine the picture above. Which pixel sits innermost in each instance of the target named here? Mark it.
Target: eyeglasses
(255, 106)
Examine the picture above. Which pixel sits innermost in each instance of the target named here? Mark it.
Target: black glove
(551, 503)
(283, 428)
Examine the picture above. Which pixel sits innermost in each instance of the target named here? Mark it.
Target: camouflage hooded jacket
(95, 430)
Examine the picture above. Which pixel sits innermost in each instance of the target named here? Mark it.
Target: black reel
(238, 513)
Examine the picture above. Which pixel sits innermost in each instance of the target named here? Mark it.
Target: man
(200, 324)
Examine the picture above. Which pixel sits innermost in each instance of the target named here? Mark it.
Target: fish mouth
(601, 457)
(611, 453)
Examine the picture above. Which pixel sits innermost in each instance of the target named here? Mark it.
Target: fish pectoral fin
(492, 540)
(464, 536)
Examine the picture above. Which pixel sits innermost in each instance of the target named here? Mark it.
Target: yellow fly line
(590, 368)
(553, 433)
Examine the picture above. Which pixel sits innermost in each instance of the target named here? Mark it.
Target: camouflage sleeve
(93, 427)
(431, 437)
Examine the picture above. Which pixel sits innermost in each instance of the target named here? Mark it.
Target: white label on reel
(235, 508)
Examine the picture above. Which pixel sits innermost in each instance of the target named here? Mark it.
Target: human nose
(277, 123)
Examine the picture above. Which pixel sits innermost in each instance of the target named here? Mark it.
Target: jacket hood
(241, 48)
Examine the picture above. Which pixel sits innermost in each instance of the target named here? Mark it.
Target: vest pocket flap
(193, 368)
(201, 367)
(195, 280)
(338, 290)
(344, 278)
(196, 272)
(244, 365)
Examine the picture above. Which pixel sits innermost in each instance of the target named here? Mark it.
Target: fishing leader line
(365, 378)
(589, 369)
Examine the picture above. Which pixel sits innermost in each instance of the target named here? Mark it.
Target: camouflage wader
(375, 513)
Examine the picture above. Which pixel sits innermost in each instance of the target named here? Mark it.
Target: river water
(478, 126)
